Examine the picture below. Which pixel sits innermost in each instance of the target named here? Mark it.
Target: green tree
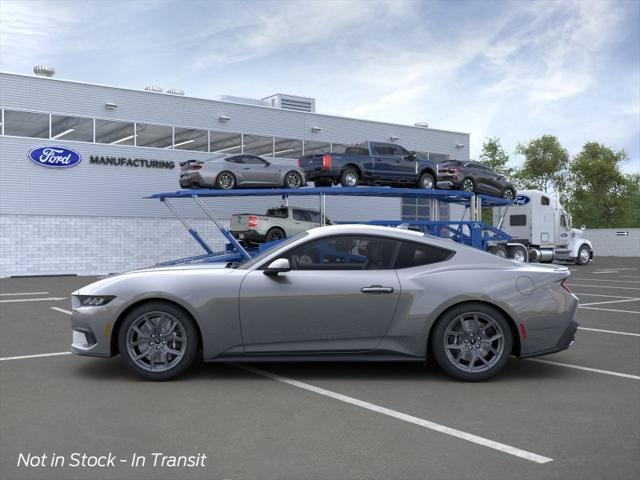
(599, 193)
(495, 157)
(630, 216)
(545, 164)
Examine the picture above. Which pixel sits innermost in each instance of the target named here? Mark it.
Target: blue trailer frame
(473, 232)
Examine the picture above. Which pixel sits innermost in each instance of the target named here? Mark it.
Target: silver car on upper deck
(344, 292)
(242, 170)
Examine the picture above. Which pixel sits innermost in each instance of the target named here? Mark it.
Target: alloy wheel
(156, 341)
(467, 185)
(226, 181)
(351, 179)
(474, 342)
(293, 180)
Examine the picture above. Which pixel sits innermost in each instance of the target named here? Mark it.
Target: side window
(299, 215)
(518, 220)
(382, 150)
(344, 253)
(277, 212)
(235, 160)
(544, 200)
(416, 254)
(313, 216)
(250, 159)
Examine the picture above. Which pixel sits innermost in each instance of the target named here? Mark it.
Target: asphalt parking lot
(575, 414)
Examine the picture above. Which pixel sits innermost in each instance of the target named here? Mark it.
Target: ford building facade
(77, 160)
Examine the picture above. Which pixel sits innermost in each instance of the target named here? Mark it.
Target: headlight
(95, 300)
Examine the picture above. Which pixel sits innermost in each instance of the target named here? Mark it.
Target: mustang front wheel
(472, 342)
(158, 340)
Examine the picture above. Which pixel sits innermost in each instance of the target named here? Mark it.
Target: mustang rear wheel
(158, 340)
(226, 180)
(472, 342)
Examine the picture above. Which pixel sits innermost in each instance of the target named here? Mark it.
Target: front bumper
(92, 328)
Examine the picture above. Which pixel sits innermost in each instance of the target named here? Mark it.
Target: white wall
(607, 242)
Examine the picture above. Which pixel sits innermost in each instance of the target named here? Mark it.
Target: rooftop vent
(44, 71)
(175, 91)
(421, 124)
(245, 100)
(153, 88)
(291, 102)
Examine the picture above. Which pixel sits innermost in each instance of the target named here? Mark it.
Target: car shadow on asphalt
(516, 371)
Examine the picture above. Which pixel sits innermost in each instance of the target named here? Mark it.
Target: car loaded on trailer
(371, 163)
(474, 177)
(275, 224)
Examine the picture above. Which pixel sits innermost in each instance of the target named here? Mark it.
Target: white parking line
(40, 355)
(605, 280)
(23, 293)
(485, 442)
(599, 295)
(609, 331)
(609, 301)
(48, 299)
(604, 286)
(61, 310)
(586, 369)
(610, 310)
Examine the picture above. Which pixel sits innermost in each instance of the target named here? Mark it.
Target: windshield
(258, 258)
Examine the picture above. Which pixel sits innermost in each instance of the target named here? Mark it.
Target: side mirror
(280, 265)
(412, 156)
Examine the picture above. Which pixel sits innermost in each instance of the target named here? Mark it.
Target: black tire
(182, 317)
(275, 234)
(346, 179)
(499, 251)
(509, 194)
(427, 181)
(293, 180)
(441, 335)
(468, 185)
(226, 180)
(584, 255)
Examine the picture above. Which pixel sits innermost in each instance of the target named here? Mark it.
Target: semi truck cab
(539, 222)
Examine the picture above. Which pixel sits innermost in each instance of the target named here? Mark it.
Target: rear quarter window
(415, 254)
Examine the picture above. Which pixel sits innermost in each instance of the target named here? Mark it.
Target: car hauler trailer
(472, 232)
(540, 223)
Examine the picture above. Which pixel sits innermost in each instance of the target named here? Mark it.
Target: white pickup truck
(276, 224)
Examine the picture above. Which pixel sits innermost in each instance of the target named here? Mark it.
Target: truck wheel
(468, 185)
(584, 255)
(349, 178)
(275, 234)
(426, 181)
(498, 251)
(226, 180)
(519, 254)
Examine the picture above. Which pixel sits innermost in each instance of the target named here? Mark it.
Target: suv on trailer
(276, 224)
(474, 177)
(371, 163)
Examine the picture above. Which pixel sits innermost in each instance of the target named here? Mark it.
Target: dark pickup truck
(370, 163)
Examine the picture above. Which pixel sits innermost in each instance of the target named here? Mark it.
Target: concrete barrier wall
(614, 242)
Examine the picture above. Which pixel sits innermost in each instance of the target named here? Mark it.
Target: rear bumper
(319, 173)
(191, 180)
(250, 236)
(449, 181)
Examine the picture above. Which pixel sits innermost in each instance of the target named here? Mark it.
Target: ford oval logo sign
(521, 200)
(55, 157)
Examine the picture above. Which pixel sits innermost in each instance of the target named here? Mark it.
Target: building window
(316, 148)
(71, 128)
(115, 133)
(225, 143)
(338, 147)
(287, 148)
(419, 209)
(157, 136)
(26, 124)
(191, 139)
(258, 145)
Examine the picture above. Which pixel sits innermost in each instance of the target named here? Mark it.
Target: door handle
(376, 289)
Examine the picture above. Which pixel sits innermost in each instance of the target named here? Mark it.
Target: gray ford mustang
(346, 292)
(243, 170)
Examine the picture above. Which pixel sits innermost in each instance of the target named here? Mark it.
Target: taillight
(455, 170)
(196, 167)
(565, 284)
(326, 161)
(299, 163)
(253, 221)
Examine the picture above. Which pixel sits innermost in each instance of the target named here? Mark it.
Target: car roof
(359, 229)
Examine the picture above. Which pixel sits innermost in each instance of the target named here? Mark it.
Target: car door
(300, 221)
(339, 296)
(259, 171)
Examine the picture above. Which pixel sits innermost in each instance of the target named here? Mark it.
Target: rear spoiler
(190, 162)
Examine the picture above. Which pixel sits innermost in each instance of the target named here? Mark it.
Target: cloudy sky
(511, 69)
